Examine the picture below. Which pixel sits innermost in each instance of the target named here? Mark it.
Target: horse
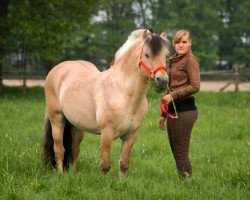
(111, 103)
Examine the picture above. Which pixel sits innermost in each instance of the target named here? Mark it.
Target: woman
(184, 81)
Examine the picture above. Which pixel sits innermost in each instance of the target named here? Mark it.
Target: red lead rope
(164, 111)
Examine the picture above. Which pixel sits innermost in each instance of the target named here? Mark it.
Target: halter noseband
(150, 72)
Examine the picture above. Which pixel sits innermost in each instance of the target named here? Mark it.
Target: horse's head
(153, 55)
(153, 58)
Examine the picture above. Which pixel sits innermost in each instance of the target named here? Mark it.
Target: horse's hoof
(105, 170)
(122, 175)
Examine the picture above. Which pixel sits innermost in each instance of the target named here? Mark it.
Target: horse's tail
(48, 144)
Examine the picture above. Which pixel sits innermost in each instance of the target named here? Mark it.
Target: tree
(234, 35)
(199, 17)
(40, 29)
(107, 31)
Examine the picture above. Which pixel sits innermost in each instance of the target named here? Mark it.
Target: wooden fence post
(236, 77)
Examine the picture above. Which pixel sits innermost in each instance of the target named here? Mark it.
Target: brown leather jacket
(184, 75)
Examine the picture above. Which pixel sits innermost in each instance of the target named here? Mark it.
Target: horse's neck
(125, 75)
(128, 79)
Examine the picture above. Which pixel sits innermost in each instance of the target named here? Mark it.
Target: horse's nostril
(162, 82)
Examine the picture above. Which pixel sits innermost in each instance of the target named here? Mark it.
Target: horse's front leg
(106, 144)
(127, 144)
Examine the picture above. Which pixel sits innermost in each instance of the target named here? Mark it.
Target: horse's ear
(146, 34)
(164, 35)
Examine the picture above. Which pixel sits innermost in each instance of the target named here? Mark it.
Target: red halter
(150, 72)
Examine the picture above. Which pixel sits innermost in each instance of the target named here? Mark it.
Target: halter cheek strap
(147, 69)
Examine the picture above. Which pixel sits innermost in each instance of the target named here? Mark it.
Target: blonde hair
(178, 36)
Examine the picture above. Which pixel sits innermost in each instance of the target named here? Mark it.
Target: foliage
(107, 31)
(195, 16)
(41, 33)
(234, 35)
(42, 30)
(219, 153)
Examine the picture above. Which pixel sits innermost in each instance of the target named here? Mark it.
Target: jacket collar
(177, 57)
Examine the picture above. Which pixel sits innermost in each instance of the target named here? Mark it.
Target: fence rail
(236, 78)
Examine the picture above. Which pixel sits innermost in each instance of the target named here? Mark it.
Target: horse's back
(84, 66)
(69, 69)
(87, 65)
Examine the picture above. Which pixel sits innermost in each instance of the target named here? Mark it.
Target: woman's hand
(166, 99)
(161, 123)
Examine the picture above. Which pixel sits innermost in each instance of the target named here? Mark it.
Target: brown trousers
(179, 134)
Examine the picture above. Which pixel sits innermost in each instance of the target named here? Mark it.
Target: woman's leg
(179, 133)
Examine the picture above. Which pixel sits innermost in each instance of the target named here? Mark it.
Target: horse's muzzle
(162, 82)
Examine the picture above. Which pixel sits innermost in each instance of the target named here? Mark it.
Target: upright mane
(131, 38)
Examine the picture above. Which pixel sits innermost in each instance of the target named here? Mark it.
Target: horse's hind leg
(75, 149)
(57, 123)
(127, 144)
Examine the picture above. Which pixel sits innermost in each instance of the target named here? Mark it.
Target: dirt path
(205, 85)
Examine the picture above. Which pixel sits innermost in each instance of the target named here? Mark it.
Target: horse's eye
(147, 56)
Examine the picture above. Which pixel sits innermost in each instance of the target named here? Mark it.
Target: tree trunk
(24, 63)
(3, 33)
(144, 23)
(236, 77)
(1, 78)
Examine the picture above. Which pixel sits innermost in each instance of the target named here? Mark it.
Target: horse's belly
(79, 108)
(82, 119)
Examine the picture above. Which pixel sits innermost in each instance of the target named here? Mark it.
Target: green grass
(220, 150)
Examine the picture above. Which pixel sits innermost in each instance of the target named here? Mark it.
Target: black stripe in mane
(155, 43)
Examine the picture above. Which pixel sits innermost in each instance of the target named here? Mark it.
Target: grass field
(220, 154)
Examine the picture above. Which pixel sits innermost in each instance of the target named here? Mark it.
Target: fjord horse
(112, 103)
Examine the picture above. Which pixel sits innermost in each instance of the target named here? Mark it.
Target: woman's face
(183, 46)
